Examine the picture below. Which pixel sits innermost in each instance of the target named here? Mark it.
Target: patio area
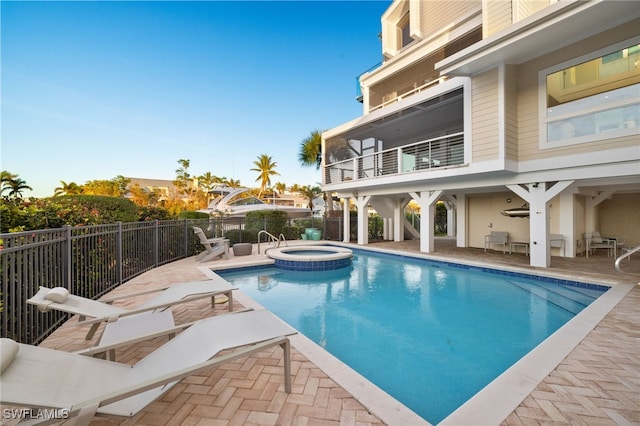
(597, 383)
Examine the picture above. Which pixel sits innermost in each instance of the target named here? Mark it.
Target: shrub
(241, 236)
(272, 221)
(190, 214)
(149, 213)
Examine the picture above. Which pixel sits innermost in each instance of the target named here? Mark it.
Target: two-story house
(487, 105)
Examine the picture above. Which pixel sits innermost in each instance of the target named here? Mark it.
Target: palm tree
(310, 153)
(265, 167)
(280, 187)
(70, 188)
(232, 183)
(310, 193)
(5, 180)
(16, 186)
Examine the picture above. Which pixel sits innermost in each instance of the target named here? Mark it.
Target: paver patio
(597, 383)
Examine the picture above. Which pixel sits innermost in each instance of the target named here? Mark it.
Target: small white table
(513, 247)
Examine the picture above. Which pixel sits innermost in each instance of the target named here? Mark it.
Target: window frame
(543, 118)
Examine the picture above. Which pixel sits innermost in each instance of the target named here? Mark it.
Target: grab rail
(627, 254)
(275, 240)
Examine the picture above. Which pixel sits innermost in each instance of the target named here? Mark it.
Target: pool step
(565, 297)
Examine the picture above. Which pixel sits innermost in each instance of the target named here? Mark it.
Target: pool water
(430, 334)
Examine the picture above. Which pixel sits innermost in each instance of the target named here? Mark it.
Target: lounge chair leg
(286, 347)
(92, 331)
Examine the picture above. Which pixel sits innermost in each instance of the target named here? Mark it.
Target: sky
(95, 90)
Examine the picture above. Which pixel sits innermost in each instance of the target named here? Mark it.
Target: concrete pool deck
(587, 374)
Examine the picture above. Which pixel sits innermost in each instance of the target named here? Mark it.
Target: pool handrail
(627, 254)
(274, 240)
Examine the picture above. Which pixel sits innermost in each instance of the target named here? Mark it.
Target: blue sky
(93, 90)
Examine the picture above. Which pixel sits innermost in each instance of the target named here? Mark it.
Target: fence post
(119, 244)
(186, 238)
(68, 264)
(156, 245)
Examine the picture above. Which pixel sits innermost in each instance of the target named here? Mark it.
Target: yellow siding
(439, 14)
(485, 116)
(527, 104)
(511, 109)
(526, 8)
(497, 15)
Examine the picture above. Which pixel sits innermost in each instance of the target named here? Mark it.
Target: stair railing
(624, 256)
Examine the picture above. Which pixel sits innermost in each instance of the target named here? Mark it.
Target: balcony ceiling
(560, 25)
(413, 124)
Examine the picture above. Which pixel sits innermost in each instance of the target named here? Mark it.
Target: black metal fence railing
(90, 261)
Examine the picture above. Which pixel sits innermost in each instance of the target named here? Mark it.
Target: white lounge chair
(99, 311)
(213, 247)
(33, 376)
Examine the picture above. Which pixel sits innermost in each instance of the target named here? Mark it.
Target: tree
(265, 167)
(310, 153)
(310, 193)
(233, 183)
(13, 184)
(280, 187)
(116, 187)
(70, 188)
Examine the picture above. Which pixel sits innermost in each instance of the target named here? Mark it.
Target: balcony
(432, 154)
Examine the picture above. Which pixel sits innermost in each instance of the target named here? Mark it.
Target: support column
(538, 197)
(427, 201)
(362, 202)
(450, 204)
(399, 219)
(461, 219)
(346, 219)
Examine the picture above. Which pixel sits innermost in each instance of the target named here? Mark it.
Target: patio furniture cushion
(57, 295)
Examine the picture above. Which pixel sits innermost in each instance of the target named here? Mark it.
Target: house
(488, 105)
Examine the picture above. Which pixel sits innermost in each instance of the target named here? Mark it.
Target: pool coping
(503, 395)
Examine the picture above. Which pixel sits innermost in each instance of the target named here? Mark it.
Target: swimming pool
(428, 333)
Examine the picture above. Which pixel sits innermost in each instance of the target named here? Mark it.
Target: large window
(594, 99)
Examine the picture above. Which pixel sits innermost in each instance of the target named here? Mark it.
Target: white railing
(407, 93)
(272, 238)
(444, 151)
(626, 254)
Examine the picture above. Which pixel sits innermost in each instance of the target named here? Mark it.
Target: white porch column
(538, 197)
(427, 201)
(346, 219)
(450, 204)
(461, 218)
(591, 211)
(362, 202)
(567, 223)
(399, 219)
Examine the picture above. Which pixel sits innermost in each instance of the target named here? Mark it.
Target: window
(404, 32)
(594, 99)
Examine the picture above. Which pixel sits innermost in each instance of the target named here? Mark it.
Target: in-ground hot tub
(311, 258)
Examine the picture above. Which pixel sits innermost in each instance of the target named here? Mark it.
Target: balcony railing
(432, 154)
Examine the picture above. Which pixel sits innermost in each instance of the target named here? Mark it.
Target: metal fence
(91, 261)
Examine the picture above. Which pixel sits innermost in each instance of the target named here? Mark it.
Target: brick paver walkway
(598, 383)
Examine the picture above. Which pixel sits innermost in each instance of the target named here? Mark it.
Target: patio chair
(596, 241)
(496, 237)
(213, 247)
(33, 376)
(100, 311)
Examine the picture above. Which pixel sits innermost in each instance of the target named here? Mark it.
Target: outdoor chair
(213, 247)
(94, 312)
(595, 241)
(496, 237)
(33, 376)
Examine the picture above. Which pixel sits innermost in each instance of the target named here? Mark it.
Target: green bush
(272, 221)
(149, 213)
(73, 210)
(190, 214)
(241, 236)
